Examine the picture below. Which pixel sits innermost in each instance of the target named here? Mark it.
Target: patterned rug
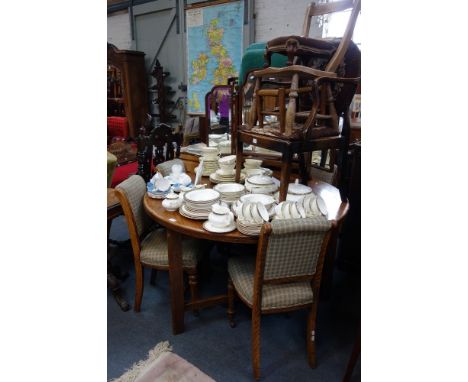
(163, 366)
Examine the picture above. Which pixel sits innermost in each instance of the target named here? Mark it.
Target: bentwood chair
(150, 247)
(285, 276)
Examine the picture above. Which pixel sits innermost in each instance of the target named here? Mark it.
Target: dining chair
(156, 145)
(165, 168)
(284, 276)
(150, 246)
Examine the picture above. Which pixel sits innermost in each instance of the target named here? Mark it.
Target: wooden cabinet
(127, 93)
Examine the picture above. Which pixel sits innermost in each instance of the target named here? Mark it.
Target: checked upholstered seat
(284, 276)
(150, 246)
(154, 250)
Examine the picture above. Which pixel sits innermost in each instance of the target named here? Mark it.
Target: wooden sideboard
(134, 94)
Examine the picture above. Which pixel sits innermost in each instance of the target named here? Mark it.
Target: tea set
(230, 205)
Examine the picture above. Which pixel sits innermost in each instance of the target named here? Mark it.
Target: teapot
(172, 202)
(220, 216)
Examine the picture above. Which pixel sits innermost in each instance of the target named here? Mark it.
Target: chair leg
(231, 311)
(256, 343)
(138, 287)
(311, 335)
(154, 273)
(193, 283)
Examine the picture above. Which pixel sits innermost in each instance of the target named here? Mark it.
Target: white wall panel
(275, 18)
(118, 30)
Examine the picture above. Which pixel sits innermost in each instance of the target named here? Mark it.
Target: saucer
(210, 228)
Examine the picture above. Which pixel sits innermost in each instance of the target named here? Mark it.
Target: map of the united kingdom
(214, 42)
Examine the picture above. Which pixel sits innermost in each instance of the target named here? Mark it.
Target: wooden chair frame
(160, 145)
(256, 305)
(323, 111)
(136, 247)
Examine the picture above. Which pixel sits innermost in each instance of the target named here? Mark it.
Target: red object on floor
(123, 172)
(117, 127)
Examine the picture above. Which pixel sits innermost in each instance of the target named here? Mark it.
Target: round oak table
(177, 226)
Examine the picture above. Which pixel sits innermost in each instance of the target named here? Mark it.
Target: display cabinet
(127, 93)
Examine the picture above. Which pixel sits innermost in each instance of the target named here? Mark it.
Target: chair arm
(355, 80)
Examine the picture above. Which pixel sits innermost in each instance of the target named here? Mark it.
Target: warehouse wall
(272, 18)
(281, 18)
(118, 30)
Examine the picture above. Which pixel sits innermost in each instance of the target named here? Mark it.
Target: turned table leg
(176, 278)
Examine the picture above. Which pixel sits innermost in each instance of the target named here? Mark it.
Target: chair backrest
(320, 9)
(130, 193)
(160, 145)
(165, 168)
(292, 250)
(218, 102)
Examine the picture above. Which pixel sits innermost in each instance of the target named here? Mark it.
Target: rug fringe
(131, 374)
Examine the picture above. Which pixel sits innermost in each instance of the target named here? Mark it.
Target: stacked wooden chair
(296, 109)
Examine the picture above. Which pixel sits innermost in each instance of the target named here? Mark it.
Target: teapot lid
(219, 209)
(299, 189)
(172, 195)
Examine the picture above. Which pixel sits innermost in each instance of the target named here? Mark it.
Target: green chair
(254, 58)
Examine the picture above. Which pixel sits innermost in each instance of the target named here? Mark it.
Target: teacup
(227, 160)
(252, 163)
(254, 171)
(226, 167)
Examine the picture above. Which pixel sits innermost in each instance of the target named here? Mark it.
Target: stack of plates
(313, 205)
(307, 206)
(209, 166)
(257, 171)
(295, 192)
(251, 217)
(237, 210)
(250, 229)
(220, 176)
(197, 203)
(157, 194)
(230, 192)
(289, 210)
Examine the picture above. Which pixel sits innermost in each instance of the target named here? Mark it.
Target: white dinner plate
(263, 211)
(300, 207)
(294, 212)
(255, 213)
(266, 200)
(322, 206)
(229, 188)
(260, 180)
(203, 195)
(285, 209)
(246, 212)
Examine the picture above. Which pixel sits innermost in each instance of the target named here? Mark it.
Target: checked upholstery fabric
(293, 250)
